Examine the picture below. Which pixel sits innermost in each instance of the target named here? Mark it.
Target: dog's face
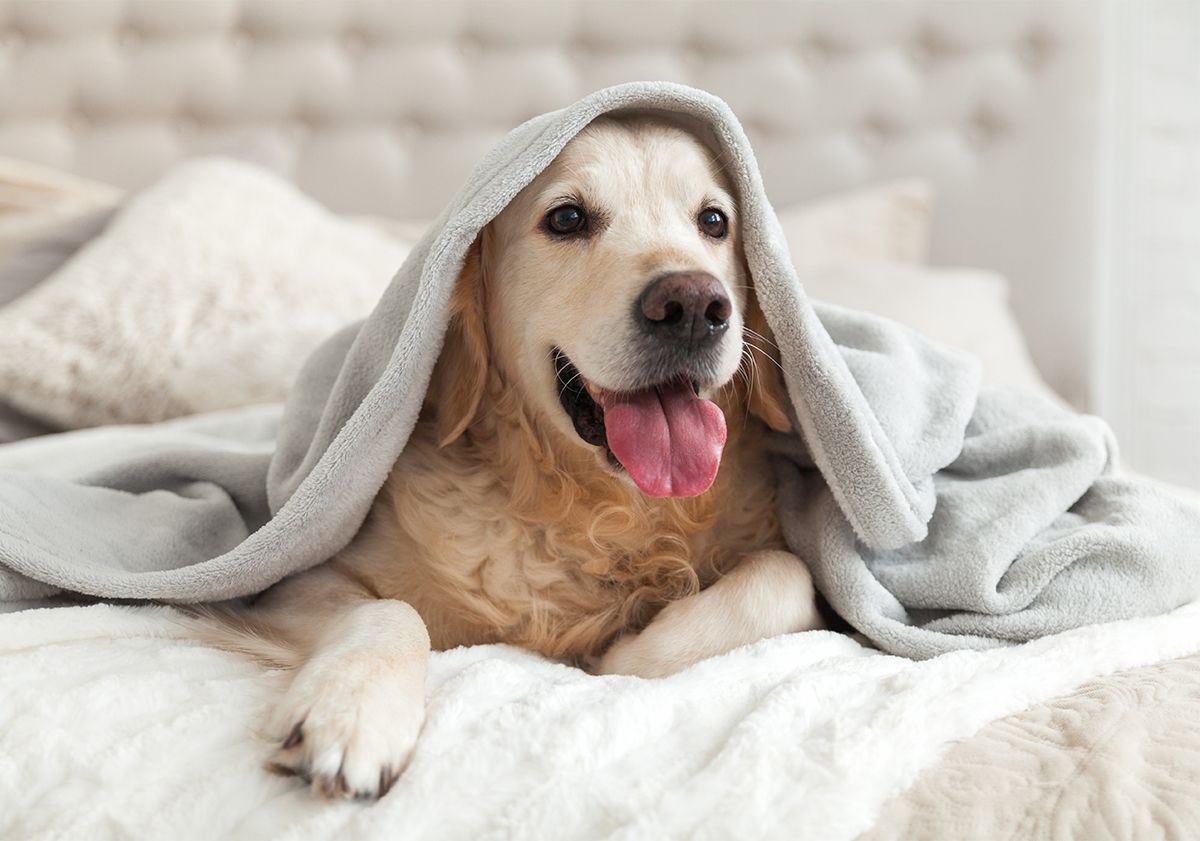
(614, 293)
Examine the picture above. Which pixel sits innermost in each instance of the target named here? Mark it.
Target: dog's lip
(588, 417)
(605, 396)
(585, 412)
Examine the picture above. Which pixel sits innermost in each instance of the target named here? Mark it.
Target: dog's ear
(462, 369)
(768, 397)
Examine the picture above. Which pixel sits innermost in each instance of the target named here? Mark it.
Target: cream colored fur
(499, 524)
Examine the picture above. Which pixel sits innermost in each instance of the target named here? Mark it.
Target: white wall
(1147, 376)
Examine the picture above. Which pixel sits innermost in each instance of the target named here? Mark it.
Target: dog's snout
(689, 308)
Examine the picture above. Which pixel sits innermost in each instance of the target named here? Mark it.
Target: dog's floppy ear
(462, 369)
(768, 398)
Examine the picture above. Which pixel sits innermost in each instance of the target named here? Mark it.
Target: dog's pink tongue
(668, 439)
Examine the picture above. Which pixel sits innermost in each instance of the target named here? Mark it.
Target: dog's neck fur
(653, 551)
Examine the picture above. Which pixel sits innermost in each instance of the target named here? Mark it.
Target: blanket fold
(935, 515)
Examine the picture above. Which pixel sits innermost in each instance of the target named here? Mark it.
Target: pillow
(205, 291)
(46, 215)
(965, 308)
(888, 222)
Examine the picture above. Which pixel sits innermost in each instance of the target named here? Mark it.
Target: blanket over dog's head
(853, 404)
(221, 506)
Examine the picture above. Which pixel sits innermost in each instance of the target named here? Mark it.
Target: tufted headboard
(384, 106)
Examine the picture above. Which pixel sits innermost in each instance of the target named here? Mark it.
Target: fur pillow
(888, 222)
(207, 290)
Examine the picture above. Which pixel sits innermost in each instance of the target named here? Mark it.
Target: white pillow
(888, 222)
(966, 308)
(206, 291)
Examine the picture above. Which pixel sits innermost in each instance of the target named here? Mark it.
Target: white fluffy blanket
(111, 726)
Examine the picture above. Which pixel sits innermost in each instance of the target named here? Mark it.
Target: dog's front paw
(663, 648)
(348, 735)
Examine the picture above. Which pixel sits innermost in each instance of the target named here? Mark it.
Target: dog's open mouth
(667, 437)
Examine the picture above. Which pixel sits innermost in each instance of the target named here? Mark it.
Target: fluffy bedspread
(112, 725)
(1117, 758)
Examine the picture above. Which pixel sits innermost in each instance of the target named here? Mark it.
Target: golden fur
(497, 527)
(547, 550)
(499, 524)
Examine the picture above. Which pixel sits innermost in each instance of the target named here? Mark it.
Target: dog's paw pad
(346, 742)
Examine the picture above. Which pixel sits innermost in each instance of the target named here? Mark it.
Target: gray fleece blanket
(935, 515)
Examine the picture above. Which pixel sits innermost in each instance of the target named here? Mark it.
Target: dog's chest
(558, 578)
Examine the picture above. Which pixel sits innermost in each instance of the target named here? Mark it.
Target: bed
(114, 724)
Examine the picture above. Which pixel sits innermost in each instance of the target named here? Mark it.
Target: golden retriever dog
(588, 478)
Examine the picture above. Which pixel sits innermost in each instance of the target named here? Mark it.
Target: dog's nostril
(672, 313)
(718, 311)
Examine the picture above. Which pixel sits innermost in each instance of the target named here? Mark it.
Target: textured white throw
(108, 729)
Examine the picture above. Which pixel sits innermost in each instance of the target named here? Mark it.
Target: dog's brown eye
(713, 223)
(568, 219)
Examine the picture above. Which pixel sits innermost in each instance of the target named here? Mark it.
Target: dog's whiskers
(755, 334)
(563, 386)
(751, 374)
(755, 349)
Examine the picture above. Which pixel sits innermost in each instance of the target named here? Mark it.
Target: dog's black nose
(685, 308)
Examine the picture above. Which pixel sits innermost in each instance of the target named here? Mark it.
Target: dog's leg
(767, 594)
(351, 717)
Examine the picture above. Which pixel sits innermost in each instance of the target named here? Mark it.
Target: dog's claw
(288, 763)
(332, 787)
(387, 779)
(281, 769)
(295, 737)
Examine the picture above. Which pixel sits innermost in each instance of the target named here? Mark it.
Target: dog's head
(612, 292)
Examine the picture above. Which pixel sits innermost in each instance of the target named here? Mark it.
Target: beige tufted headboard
(383, 106)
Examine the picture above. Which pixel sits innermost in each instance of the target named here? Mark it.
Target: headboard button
(925, 49)
(872, 134)
(692, 55)
(242, 40)
(470, 47)
(12, 39)
(79, 122)
(1033, 49)
(815, 53)
(408, 129)
(982, 129)
(921, 56)
(581, 51)
(299, 130)
(129, 38)
(354, 42)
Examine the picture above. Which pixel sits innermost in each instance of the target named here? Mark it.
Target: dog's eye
(567, 219)
(713, 223)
